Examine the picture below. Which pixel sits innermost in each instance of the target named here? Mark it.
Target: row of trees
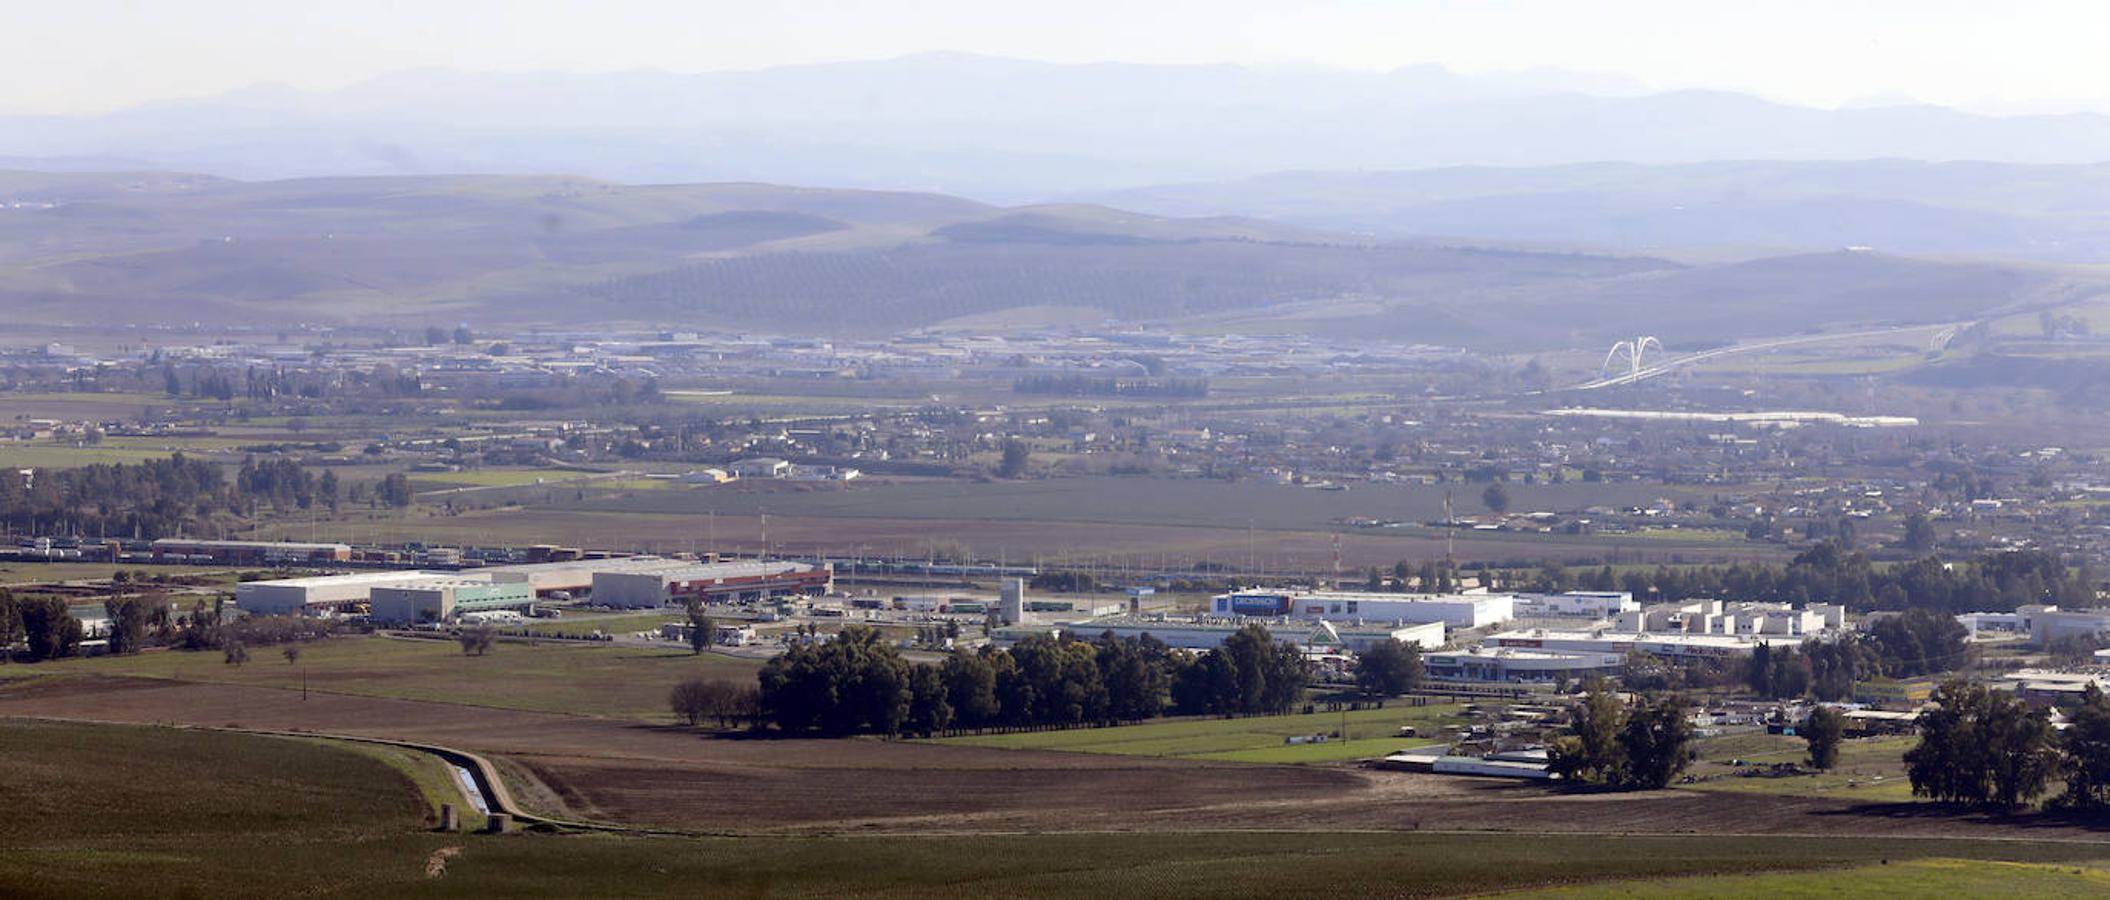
(859, 683)
(47, 627)
(728, 702)
(157, 498)
(1828, 573)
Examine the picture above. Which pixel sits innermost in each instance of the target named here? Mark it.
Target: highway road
(1679, 362)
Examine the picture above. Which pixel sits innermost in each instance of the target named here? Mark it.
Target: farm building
(722, 582)
(1454, 610)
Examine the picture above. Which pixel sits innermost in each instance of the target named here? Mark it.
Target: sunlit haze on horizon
(100, 55)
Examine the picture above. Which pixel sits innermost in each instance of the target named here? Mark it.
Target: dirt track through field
(615, 771)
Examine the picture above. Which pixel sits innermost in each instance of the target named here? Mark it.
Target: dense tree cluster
(155, 498)
(859, 683)
(1822, 732)
(1983, 747)
(43, 624)
(1828, 573)
(1915, 642)
(1615, 745)
(1389, 668)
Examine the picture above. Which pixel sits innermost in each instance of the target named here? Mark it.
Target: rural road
(470, 489)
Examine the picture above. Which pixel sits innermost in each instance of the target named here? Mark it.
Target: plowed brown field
(614, 771)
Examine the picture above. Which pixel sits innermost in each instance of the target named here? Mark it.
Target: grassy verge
(578, 624)
(434, 779)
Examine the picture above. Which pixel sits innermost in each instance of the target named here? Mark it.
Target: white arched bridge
(1637, 365)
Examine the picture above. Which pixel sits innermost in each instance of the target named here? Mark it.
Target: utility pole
(1450, 537)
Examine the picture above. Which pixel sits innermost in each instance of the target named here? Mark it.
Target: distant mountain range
(1001, 130)
(102, 248)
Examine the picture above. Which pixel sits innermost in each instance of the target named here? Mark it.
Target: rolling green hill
(156, 247)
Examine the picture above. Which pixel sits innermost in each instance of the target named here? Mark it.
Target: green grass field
(580, 679)
(1907, 878)
(19, 572)
(498, 477)
(1371, 733)
(63, 456)
(580, 624)
(1869, 769)
(1148, 501)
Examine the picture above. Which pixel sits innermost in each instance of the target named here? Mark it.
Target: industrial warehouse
(1463, 611)
(402, 597)
(1205, 632)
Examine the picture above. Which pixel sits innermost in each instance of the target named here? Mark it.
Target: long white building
(1621, 642)
(1454, 610)
(1208, 632)
(2046, 624)
(1576, 604)
(714, 582)
(323, 592)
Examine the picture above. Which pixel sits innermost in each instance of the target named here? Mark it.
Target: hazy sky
(68, 56)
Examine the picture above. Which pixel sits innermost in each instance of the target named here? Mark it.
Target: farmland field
(582, 679)
(860, 524)
(615, 770)
(131, 811)
(1371, 733)
(1907, 878)
(300, 817)
(1147, 501)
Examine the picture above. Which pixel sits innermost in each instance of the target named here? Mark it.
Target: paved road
(1669, 365)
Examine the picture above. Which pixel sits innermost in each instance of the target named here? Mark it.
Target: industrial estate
(974, 477)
